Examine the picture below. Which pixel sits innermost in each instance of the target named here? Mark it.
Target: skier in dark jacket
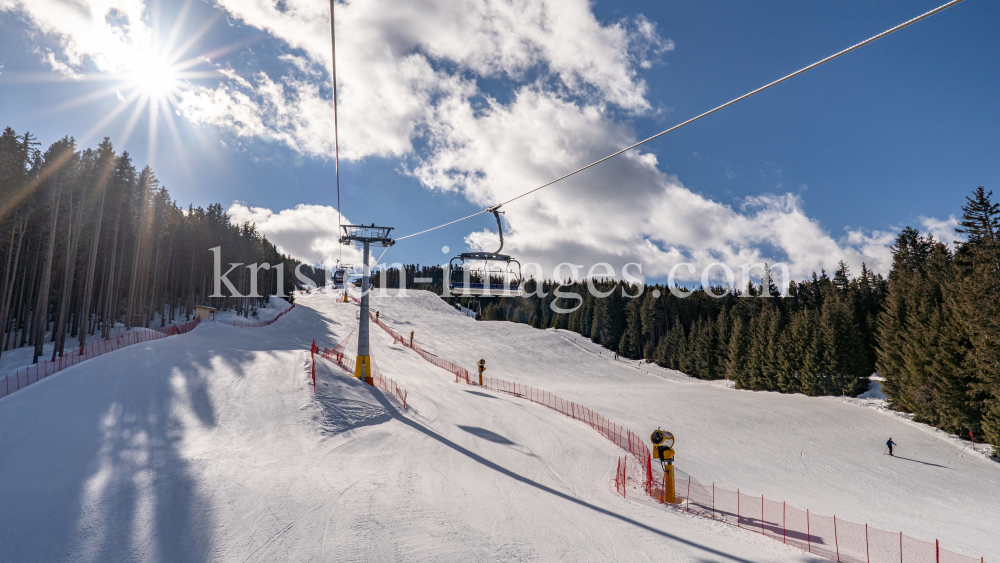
(890, 443)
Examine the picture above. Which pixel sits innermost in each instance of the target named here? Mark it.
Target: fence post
(937, 551)
(713, 499)
(783, 540)
(762, 515)
(689, 495)
(738, 509)
(809, 535)
(868, 556)
(901, 547)
(836, 543)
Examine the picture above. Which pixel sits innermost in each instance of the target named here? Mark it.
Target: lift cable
(709, 112)
(336, 136)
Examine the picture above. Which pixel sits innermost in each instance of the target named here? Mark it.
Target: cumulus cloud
(398, 62)
(942, 229)
(411, 75)
(413, 71)
(106, 32)
(625, 210)
(306, 232)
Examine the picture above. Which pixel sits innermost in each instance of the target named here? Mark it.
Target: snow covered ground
(820, 453)
(212, 446)
(274, 307)
(17, 358)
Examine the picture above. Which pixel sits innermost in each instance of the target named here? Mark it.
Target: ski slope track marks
(213, 446)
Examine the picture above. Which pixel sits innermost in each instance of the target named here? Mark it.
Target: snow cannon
(482, 368)
(663, 450)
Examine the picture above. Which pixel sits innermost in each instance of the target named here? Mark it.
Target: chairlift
(340, 275)
(476, 277)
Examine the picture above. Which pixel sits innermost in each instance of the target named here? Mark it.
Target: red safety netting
(620, 476)
(884, 547)
(31, 374)
(826, 536)
(774, 519)
(457, 370)
(387, 384)
(336, 354)
(257, 324)
(621, 436)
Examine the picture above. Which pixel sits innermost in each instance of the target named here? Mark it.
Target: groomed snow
(212, 446)
(820, 453)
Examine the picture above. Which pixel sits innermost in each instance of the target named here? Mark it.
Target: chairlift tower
(365, 235)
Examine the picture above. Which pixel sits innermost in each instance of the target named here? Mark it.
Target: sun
(155, 77)
(147, 69)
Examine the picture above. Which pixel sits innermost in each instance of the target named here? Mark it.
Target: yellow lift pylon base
(363, 369)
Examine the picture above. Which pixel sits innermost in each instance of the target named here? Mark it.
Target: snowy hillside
(821, 453)
(212, 446)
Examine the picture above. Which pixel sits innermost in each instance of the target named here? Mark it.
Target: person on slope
(890, 444)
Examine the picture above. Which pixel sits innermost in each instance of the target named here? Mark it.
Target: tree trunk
(10, 277)
(152, 277)
(42, 307)
(110, 305)
(132, 300)
(66, 293)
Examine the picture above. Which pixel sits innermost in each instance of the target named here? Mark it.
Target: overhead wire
(707, 113)
(336, 133)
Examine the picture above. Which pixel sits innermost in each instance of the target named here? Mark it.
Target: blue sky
(827, 166)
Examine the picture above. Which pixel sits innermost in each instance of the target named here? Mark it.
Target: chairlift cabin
(345, 274)
(486, 274)
(339, 275)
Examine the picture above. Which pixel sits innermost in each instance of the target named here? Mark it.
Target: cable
(336, 135)
(709, 112)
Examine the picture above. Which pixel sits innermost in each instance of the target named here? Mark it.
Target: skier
(890, 443)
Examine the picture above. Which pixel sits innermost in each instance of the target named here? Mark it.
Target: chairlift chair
(474, 277)
(340, 275)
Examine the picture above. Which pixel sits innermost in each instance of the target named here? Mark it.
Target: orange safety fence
(31, 374)
(455, 369)
(257, 324)
(619, 435)
(620, 476)
(336, 355)
(826, 536)
(830, 537)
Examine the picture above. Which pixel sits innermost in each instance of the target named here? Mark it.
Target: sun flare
(155, 77)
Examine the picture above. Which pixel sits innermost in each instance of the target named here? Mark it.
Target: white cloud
(398, 62)
(624, 210)
(307, 232)
(942, 229)
(108, 32)
(411, 72)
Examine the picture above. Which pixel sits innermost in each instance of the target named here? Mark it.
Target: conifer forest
(90, 242)
(931, 328)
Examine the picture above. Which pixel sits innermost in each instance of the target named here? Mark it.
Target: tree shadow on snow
(100, 475)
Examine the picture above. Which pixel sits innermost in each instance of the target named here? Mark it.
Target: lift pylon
(365, 235)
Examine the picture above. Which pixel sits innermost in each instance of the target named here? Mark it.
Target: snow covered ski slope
(821, 453)
(213, 446)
